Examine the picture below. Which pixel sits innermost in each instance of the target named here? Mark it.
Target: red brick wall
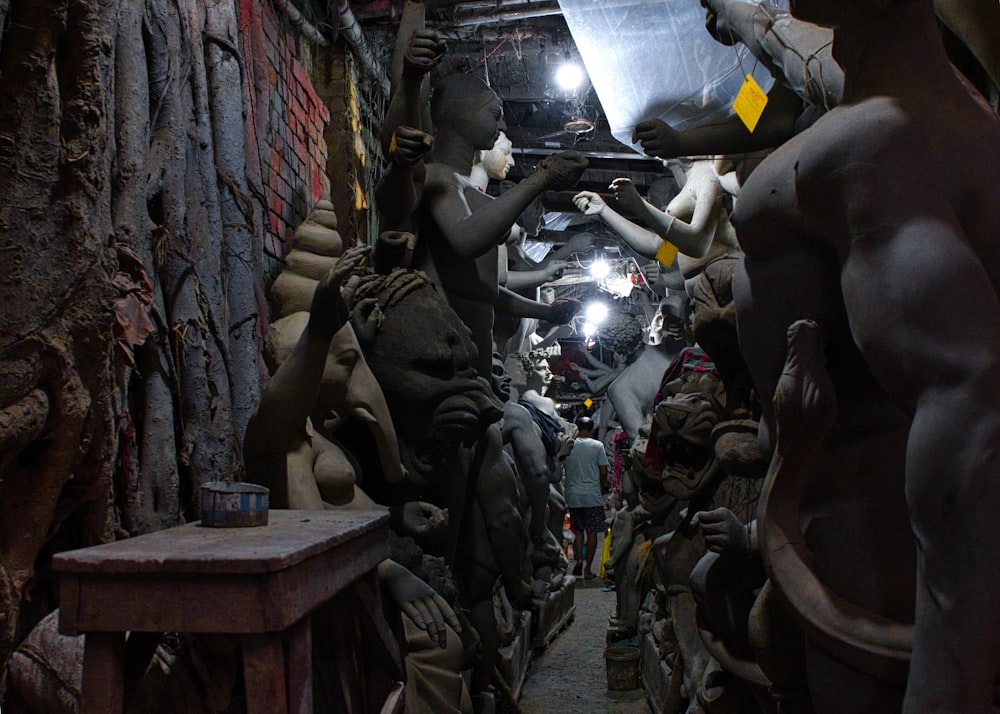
(286, 152)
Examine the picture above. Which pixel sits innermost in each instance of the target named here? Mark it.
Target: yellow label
(666, 253)
(392, 144)
(750, 102)
(588, 402)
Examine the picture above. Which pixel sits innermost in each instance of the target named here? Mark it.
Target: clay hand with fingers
(657, 138)
(564, 169)
(418, 601)
(409, 145)
(723, 531)
(590, 204)
(420, 518)
(628, 196)
(423, 51)
(329, 311)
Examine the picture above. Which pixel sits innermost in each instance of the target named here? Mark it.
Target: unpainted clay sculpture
(461, 228)
(888, 388)
(694, 226)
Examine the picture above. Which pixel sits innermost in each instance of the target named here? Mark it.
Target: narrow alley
(570, 677)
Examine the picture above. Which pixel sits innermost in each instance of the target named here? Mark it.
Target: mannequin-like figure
(694, 226)
(535, 451)
(839, 225)
(461, 228)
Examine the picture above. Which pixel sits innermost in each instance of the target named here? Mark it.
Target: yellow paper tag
(750, 102)
(666, 253)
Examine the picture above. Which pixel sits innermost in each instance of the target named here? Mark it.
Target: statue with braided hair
(445, 417)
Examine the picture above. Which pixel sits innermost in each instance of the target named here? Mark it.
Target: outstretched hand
(589, 203)
(329, 311)
(564, 169)
(420, 518)
(657, 138)
(418, 601)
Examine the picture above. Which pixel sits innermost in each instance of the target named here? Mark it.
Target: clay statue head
(671, 318)
(348, 389)
(425, 361)
(466, 105)
(527, 373)
(499, 379)
(498, 161)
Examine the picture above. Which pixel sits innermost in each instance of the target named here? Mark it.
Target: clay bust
(843, 249)
(461, 228)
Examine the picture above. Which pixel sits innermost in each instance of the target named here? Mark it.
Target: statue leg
(496, 493)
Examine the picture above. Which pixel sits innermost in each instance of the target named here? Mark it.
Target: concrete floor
(569, 677)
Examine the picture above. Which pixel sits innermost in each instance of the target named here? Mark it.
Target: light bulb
(600, 269)
(596, 313)
(569, 76)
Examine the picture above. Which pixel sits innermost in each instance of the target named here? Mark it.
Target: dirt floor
(569, 677)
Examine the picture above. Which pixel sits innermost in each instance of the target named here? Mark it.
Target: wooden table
(260, 583)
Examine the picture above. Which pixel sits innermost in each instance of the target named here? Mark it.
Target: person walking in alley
(586, 480)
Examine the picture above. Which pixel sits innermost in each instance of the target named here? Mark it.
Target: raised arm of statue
(417, 51)
(689, 221)
(798, 53)
(471, 233)
(729, 136)
(523, 279)
(643, 241)
(404, 136)
(291, 396)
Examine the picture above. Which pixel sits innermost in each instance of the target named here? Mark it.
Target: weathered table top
(194, 578)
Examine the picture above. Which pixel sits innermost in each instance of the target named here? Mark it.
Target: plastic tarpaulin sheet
(652, 59)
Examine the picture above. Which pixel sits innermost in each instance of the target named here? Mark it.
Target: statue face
(500, 380)
(424, 359)
(498, 160)
(485, 121)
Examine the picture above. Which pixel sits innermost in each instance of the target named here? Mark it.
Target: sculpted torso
(472, 278)
(838, 190)
(879, 223)
(702, 184)
(319, 473)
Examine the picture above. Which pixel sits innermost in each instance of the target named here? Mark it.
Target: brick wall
(286, 121)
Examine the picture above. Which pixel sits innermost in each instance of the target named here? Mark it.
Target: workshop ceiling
(517, 47)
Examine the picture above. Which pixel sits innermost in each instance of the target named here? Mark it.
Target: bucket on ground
(622, 664)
